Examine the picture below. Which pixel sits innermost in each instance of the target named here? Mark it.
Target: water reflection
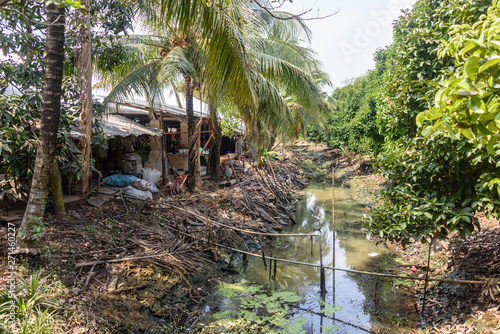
(346, 247)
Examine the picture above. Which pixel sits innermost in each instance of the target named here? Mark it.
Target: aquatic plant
(256, 309)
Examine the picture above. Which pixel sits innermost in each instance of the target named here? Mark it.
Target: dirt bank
(131, 266)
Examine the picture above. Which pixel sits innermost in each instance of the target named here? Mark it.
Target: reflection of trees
(383, 301)
(314, 215)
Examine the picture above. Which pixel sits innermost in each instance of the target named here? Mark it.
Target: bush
(434, 188)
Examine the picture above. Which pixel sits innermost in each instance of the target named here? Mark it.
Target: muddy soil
(133, 266)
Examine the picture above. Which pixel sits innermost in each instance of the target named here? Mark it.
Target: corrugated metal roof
(136, 105)
(120, 126)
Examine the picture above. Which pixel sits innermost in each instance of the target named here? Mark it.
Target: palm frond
(298, 82)
(141, 82)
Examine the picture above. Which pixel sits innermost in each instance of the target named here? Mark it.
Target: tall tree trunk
(194, 177)
(56, 190)
(217, 141)
(54, 61)
(85, 80)
(251, 123)
(163, 148)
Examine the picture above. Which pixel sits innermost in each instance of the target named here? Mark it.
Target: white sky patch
(347, 41)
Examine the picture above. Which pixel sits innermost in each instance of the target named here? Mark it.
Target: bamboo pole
(239, 229)
(426, 278)
(321, 270)
(443, 280)
(333, 200)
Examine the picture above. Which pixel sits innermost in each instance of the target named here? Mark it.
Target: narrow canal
(367, 304)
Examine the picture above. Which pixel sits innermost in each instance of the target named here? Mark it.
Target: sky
(346, 42)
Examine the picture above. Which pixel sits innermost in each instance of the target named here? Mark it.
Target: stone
(97, 201)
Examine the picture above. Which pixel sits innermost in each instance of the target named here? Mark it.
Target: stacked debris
(147, 264)
(252, 197)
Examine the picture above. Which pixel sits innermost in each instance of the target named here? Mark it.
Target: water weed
(255, 309)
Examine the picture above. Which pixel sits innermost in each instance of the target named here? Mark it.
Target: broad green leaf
(466, 133)
(469, 47)
(494, 44)
(427, 131)
(488, 64)
(471, 68)
(497, 120)
(476, 104)
(484, 130)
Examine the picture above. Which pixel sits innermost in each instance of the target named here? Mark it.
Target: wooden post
(270, 267)
(264, 260)
(322, 270)
(311, 246)
(426, 279)
(274, 275)
(333, 230)
(163, 147)
(322, 303)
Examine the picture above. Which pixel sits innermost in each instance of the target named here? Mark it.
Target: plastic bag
(120, 180)
(151, 175)
(144, 185)
(140, 194)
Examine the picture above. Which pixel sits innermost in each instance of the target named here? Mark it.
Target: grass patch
(32, 307)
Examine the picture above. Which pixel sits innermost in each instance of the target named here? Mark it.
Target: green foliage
(468, 103)
(21, 83)
(66, 3)
(352, 123)
(435, 185)
(38, 229)
(17, 144)
(266, 156)
(253, 309)
(229, 120)
(414, 68)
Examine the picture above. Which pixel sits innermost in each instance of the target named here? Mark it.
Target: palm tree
(240, 56)
(215, 56)
(84, 66)
(288, 80)
(54, 60)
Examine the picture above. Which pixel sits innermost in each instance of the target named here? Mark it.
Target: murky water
(368, 304)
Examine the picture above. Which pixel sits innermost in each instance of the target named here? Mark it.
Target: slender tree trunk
(85, 80)
(194, 177)
(255, 135)
(163, 147)
(56, 191)
(217, 141)
(54, 61)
